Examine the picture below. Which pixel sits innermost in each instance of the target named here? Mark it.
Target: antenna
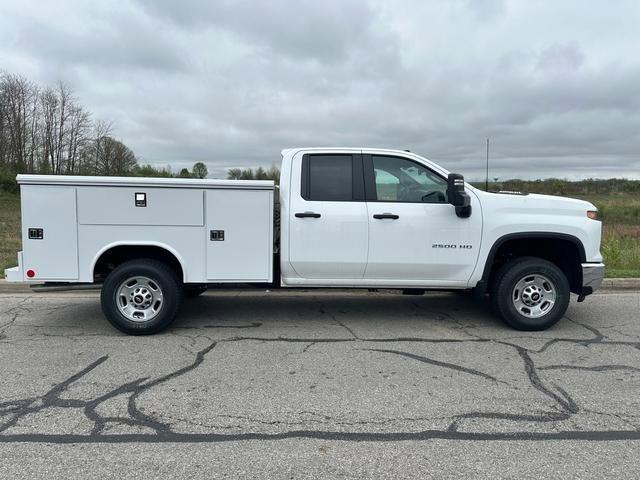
(486, 182)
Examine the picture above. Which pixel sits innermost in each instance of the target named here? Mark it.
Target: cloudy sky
(554, 84)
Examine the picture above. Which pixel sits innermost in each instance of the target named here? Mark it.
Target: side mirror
(457, 195)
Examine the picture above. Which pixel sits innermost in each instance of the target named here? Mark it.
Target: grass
(10, 242)
(620, 240)
(621, 250)
(616, 208)
(620, 214)
(615, 273)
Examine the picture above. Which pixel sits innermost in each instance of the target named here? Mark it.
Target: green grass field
(9, 230)
(620, 214)
(620, 243)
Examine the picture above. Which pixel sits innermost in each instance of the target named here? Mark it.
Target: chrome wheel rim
(534, 296)
(139, 299)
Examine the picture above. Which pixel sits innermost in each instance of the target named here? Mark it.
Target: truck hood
(550, 204)
(566, 202)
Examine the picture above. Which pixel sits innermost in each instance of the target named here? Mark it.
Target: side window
(327, 178)
(401, 180)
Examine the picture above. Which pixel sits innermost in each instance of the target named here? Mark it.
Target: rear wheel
(141, 297)
(530, 294)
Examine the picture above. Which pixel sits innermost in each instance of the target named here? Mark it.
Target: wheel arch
(545, 243)
(120, 252)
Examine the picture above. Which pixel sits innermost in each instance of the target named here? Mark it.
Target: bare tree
(115, 158)
(49, 131)
(17, 97)
(34, 138)
(101, 130)
(49, 104)
(79, 125)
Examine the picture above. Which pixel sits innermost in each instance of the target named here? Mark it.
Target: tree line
(272, 173)
(557, 186)
(46, 130)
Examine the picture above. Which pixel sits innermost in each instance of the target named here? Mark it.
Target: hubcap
(139, 299)
(534, 296)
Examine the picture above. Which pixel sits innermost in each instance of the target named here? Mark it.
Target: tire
(141, 297)
(193, 291)
(530, 294)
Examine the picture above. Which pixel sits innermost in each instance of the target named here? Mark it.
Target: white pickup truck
(348, 218)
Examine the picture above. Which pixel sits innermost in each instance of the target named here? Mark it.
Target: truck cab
(348, 218)
(373, 218)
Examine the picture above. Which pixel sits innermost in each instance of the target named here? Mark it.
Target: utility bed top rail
(144, 181)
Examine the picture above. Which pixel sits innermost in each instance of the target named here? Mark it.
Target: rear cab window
(332, 178)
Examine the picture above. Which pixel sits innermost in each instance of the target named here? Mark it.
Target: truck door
(414, 233)
(328, 228)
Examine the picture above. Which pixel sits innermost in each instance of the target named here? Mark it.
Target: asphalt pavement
(291, 384)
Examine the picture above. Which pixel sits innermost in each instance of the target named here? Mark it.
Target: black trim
(382, 216)
(358, 178)
(308, 215)
(369, 178)
(511, 236)
(357, 187)
(584, 292)
(304, 185)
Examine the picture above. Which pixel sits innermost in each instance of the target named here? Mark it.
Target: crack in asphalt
(563, 406)
(598, 368)
(589, 435)
(438, 363)
(13, 312)
(18, 409)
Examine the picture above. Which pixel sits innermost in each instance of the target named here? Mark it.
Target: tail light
(592, 214)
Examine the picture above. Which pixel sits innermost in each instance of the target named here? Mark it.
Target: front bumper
(592, 276)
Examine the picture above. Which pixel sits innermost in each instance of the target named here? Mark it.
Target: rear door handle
(381, 216)
(307, 215)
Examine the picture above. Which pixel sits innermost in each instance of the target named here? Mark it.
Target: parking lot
(306, 384)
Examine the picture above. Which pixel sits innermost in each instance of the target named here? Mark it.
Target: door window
(402, 180)
(327, 178)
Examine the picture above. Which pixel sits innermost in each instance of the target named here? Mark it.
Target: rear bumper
(15, 274)
(592, 276)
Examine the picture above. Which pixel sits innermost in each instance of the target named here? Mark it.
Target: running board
(62, 287)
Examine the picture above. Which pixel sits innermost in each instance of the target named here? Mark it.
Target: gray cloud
(231, 83)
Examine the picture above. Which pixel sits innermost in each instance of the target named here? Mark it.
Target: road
(315, 384)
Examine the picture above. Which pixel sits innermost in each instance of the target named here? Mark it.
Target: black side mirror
(457, 195)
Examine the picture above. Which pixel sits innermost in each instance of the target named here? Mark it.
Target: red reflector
(31, 273)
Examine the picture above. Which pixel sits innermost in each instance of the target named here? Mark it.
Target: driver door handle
(381, 216)
(308, 215)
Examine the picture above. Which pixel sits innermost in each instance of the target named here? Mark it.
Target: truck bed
(218, 230)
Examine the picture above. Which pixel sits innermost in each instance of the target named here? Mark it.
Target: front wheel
(141, 297)
(530, 294)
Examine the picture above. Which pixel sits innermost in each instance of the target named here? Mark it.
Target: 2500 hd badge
(451, 246)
